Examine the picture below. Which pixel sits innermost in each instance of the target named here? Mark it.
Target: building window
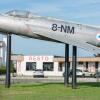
(30, 66)
(86, 65)
(60, 67)
(48, 66)
(96, 65)
(80, 63)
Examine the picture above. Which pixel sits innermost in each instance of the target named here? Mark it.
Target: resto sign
(38, 58)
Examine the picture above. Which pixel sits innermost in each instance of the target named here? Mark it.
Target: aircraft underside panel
(72, 41)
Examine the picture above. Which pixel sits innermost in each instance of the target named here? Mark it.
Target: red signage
(38, 58)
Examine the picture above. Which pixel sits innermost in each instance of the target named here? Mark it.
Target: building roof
(80, 59)
(17, 57)
(61, 59)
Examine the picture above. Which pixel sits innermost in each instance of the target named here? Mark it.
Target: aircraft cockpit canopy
(19, 13)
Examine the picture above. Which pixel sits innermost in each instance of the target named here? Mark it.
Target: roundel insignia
(98, 36)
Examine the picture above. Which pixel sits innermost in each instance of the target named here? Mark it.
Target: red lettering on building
(38, 58)
(30, 58)
(34, 58)
(46, 58)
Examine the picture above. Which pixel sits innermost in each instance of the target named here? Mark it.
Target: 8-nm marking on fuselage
(63, 28)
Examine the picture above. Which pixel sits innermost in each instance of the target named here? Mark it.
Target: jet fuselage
(50, 29)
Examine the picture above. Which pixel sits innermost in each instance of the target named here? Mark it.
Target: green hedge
(3, 69)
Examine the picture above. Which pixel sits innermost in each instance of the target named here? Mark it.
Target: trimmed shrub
(3, 69)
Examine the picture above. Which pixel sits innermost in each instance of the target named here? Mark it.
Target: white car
(87, 73)
(38, 73)
(82, 73)
(79, 73)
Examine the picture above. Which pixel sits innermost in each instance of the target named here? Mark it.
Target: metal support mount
(8, 60)
(66, 73)
(74, 62)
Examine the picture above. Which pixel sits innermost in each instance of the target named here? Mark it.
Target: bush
(3, 69)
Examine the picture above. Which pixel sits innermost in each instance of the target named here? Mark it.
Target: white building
(31, 63)
(51, 65)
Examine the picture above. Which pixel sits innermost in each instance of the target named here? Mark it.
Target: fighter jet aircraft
(25, 23)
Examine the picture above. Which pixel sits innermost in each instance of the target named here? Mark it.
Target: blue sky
(82, 11)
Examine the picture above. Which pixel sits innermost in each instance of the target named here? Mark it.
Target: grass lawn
(47, 91)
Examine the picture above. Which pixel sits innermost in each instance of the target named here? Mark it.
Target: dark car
(97, 74)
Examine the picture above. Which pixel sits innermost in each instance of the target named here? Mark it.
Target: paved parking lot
(45, 80)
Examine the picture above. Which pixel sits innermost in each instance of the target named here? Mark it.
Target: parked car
(86, 73)
(79, 73)
(97, 74)
(38, 73)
